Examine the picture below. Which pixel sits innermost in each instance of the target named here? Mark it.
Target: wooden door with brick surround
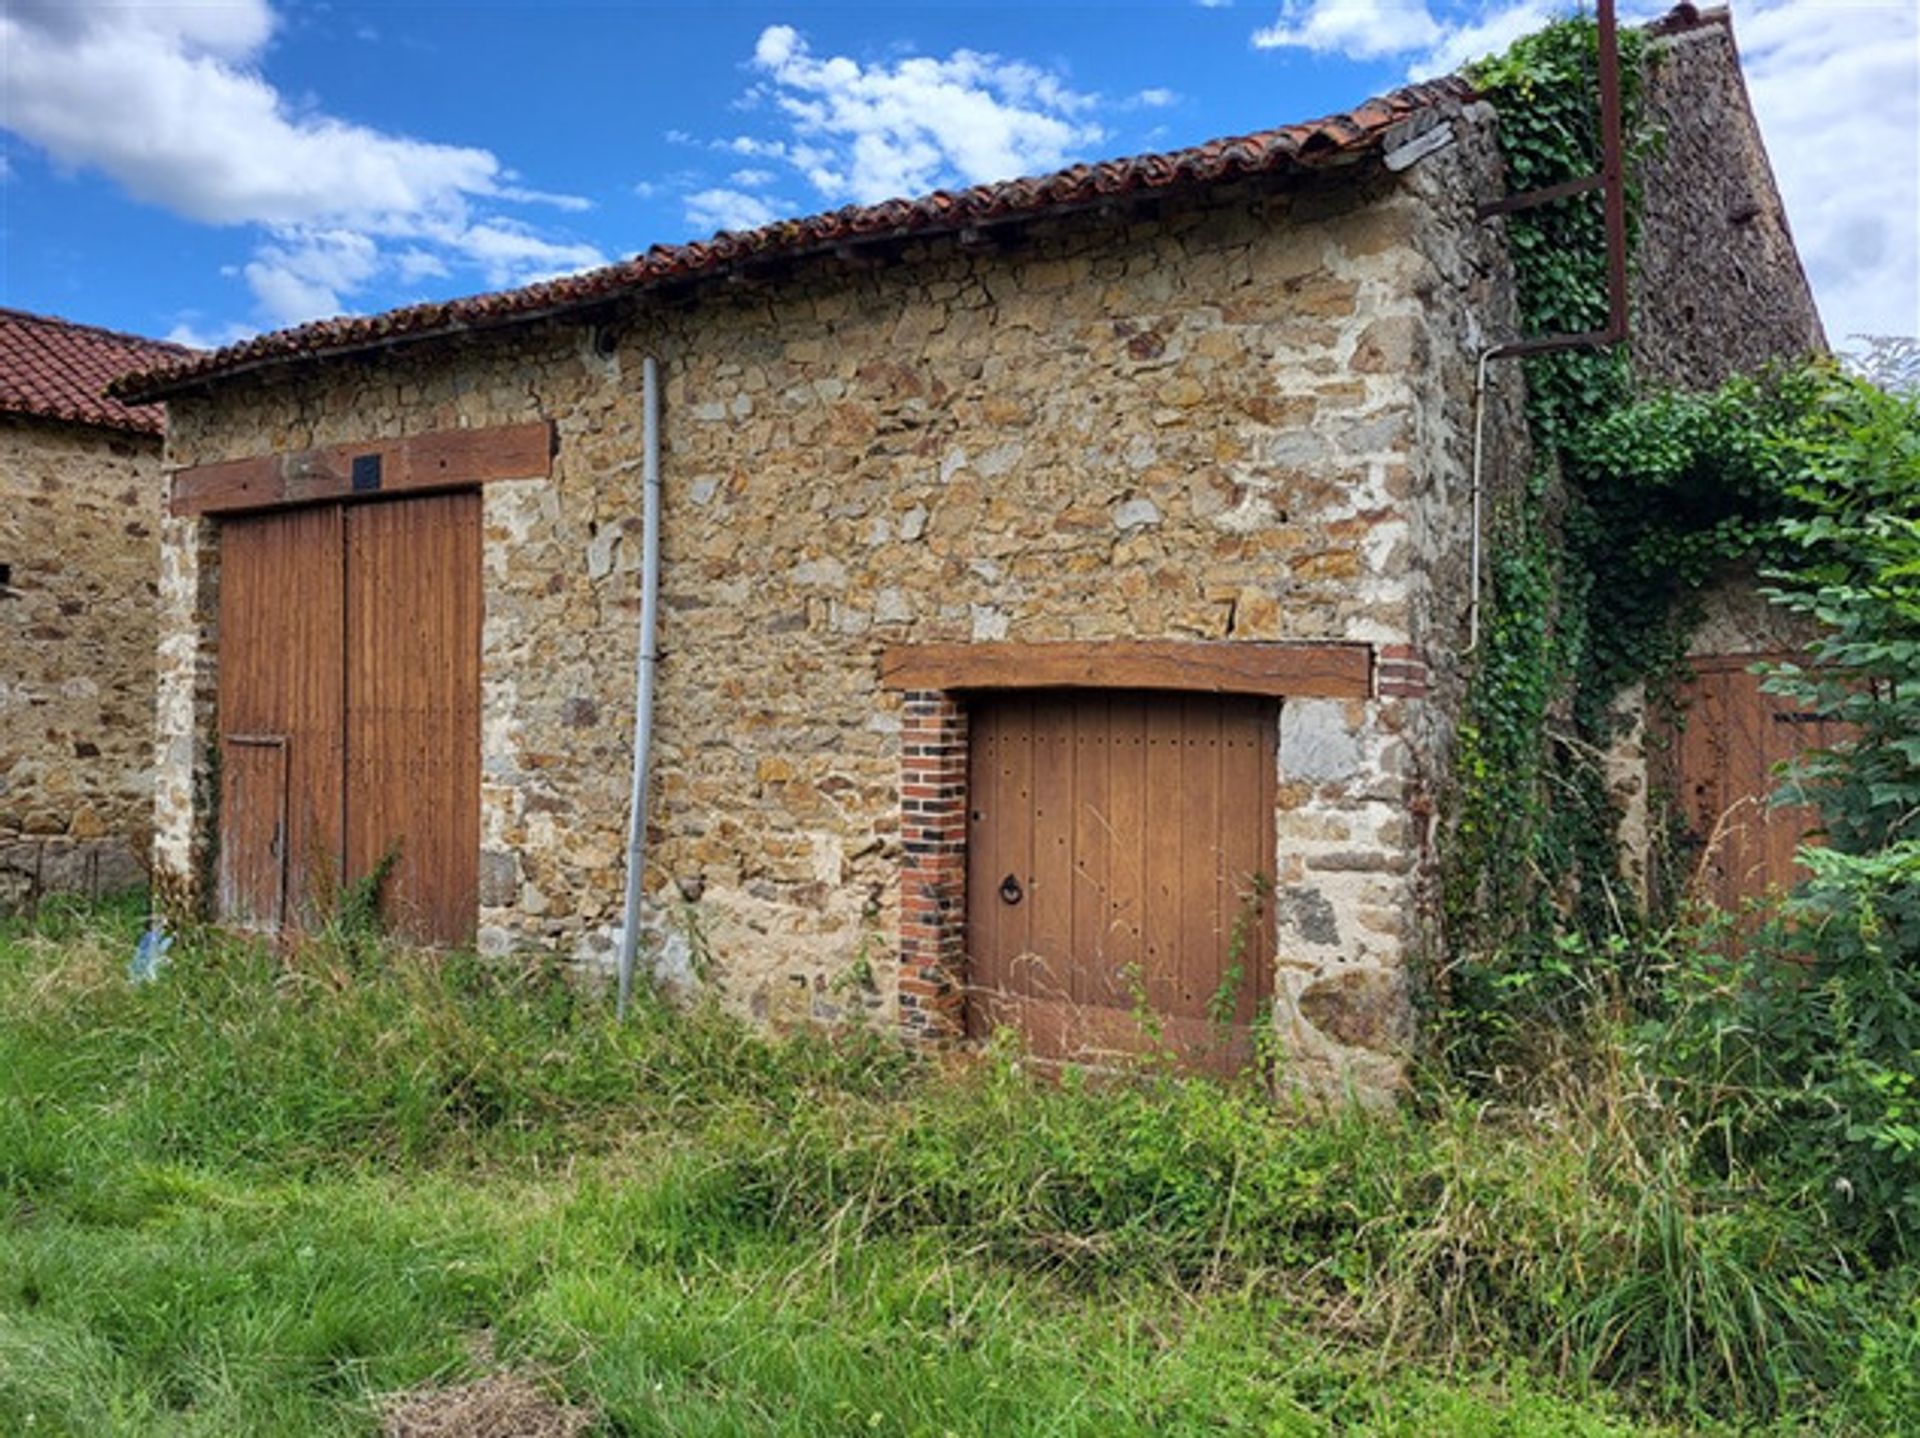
(1118, 851)
(350, 714)
(1732, 736)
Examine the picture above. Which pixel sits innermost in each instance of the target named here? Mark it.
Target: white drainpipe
(646, 664)
(1487, 356)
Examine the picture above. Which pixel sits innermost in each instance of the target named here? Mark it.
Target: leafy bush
(1814, 1032)
(1661, 495)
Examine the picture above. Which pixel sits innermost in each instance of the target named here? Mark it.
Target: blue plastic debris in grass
(149, 955)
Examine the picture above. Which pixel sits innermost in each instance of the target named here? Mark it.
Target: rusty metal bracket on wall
(1611, 182)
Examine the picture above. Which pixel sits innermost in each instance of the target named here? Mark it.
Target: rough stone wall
(1717, 284)
(1213, 423)
(1361, 784)
(185, 800)
(1736, 618)
(79, 522)
(1467, 292)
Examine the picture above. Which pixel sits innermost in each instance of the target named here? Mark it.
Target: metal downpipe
(1478, 500)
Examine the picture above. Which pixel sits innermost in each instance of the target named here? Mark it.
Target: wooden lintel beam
(443, 459)
(1305, 671)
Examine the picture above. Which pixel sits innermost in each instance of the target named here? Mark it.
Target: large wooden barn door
(413, 708)
(280, 704)
(1733, 735)
(1117, 853)
(349, 712)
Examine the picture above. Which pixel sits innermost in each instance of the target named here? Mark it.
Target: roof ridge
(34, 317)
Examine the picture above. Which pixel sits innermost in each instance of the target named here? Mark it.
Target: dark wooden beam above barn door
(442, 459)
(1299, 671)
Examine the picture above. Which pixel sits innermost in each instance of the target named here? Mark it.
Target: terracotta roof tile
(1289, 148)
(56, 369)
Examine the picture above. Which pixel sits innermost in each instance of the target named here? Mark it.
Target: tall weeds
(1597, 1230)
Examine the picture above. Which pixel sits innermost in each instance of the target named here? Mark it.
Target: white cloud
(415, 265)
(752, 146)
(521, 195)
(1358, 29)
(1157, 98)
(1435, 39)
(1837, 91)
(877, 130)
(751, 179)
(170, 103)
(187, 331)
(510, 253)
(137, 94)
(1490, 34)
(303, 274)
(723, 209)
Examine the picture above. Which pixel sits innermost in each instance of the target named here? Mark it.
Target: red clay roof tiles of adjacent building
(55, 369)
(1313, 144)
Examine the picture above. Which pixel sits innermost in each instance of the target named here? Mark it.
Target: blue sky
(206, 171)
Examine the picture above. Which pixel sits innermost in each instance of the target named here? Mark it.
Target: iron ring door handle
(1010, 890)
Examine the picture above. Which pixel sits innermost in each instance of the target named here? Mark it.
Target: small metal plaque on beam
(366, 473)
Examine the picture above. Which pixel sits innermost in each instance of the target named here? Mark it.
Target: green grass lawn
(260, 1196)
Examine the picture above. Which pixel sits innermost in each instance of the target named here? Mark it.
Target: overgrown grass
(254, 1195)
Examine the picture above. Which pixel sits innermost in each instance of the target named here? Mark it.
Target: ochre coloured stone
(80, 517)
(1362, 1008)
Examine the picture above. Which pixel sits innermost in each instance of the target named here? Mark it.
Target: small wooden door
(1119, 850)
(1733, 736)
(349, 712)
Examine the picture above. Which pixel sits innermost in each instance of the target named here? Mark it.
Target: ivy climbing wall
(1640, 517)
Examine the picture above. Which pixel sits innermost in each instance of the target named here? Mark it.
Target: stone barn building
(1062, 585)
(81, 495)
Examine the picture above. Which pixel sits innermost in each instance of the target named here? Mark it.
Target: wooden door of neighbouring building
(1119, 849)
(350, 712)
(1733, 735)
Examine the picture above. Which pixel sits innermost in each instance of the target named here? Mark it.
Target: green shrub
(1810, 1040)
